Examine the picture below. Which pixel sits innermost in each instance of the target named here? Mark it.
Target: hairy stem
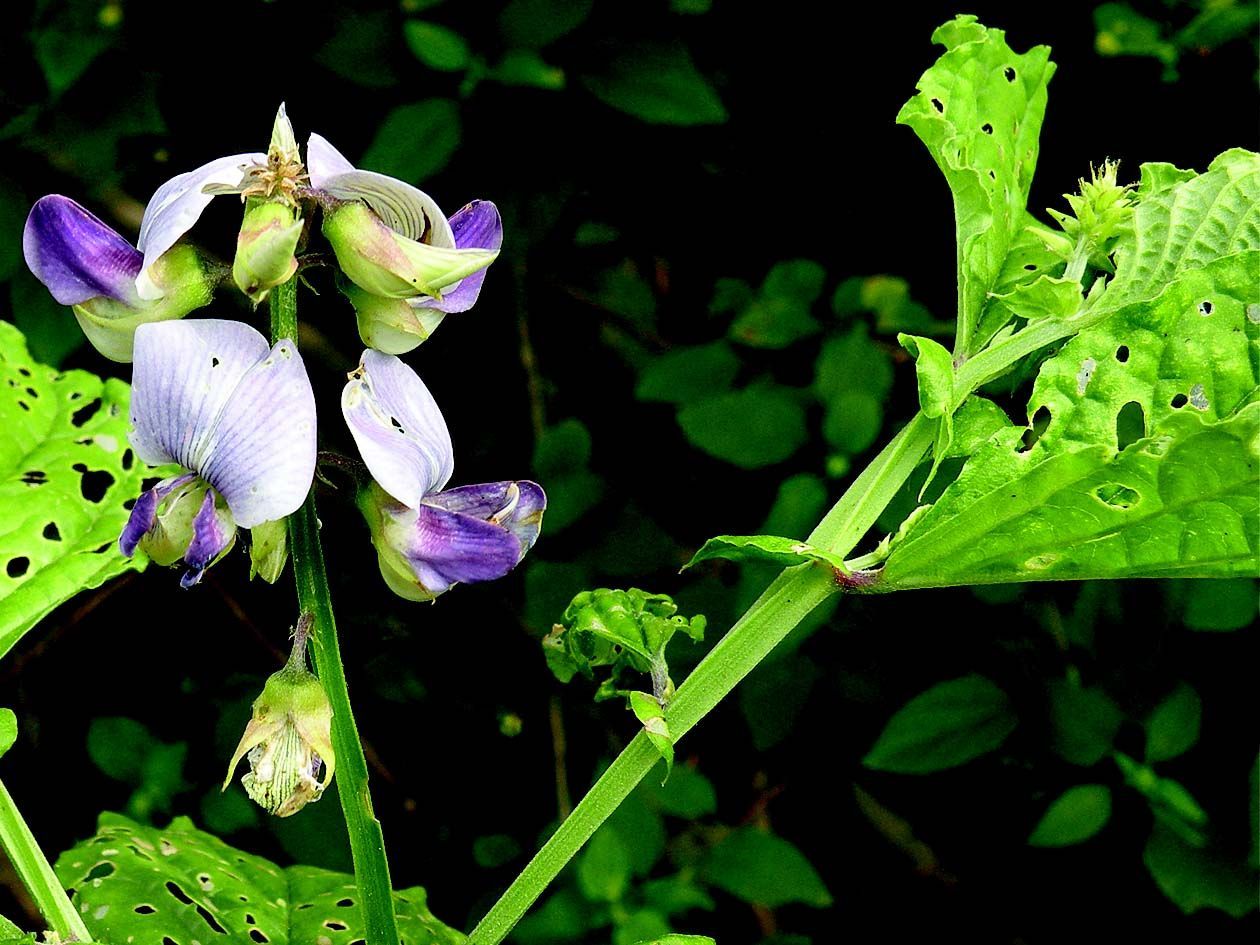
(37, 874)
(367, 842)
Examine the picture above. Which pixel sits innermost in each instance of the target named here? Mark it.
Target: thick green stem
(783, 605)
(37, 874)
(367, 842)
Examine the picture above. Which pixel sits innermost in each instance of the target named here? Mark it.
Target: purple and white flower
(115, 287)
(408, 264)
(429, 538)
(238, 416)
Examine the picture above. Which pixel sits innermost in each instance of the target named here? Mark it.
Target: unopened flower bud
(383, 262)
(265, 247)
(289, 738)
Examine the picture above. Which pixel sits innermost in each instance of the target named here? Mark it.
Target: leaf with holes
(65, 472)
(182, 885)
(979, 111)
(1140, 456)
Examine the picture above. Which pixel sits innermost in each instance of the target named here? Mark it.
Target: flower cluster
(233, 417)
(237, 415)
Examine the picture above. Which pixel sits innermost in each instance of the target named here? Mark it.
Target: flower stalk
(367, 842)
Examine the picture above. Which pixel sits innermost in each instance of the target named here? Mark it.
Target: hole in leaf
(214, 362)
(335, 925)
(210, 920)
(51, 532)
(24, 405)
(17, 566)
(1040, 420)
(1198, 399)
(1009, 72)
(167, 940)
(101, 870)
(24, 372)
(1122, 354)
(34, 477)
(1179, 401)
(987, 128)
(94, 484)
(249, 918)
(1117, 496)
(1130, 425)
(85, 413)
(35, 394)
(178, 893)
(938, 105)
(305, 905)
(1031, 267)
(1205, 307)
(144, 909)
(103, 548)
(257, 936)
(128, 458)
(345, 903)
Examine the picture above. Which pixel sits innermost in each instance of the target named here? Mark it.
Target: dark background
(809, 164)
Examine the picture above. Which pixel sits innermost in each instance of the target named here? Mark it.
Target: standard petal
(453, 548)
(323, 161)
(476, 226)
(398, 428)
(185, 371)
(260, 455)
(517, 506)
(178, 204)
(76, 255)
(406, 210)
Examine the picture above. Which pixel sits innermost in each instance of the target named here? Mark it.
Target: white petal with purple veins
(323, 161)
(261, 453)
(178, 204)
(398, 428)
(406, 210)
(185, 372)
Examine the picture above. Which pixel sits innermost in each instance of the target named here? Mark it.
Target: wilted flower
(399, 249)
(238, 416)
(288, 738)
(428, 539)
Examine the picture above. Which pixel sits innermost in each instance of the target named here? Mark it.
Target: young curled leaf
(767, 549)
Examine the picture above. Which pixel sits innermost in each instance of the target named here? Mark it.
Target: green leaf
(676, 894)
(1086, 500)
(686, 375)
(1085, 721)
(7, 928)
(946, 726)
(495, 850)
(979, 110)
(118, 747)
(135, 883)
(852, 363)
(975, 422)
(773, 696)
(642, 925)
(536, 23)
(1173, 728)
(780, 313)
(8, 730)
(527, 68)
(1122, 31)
(676, 939)
(1075, 816)
(65, 50)
(415, 141)
(1197, 878)
(934, 371)
(751, 428)
(1219, 605)
(853, 421)
(603, 868)
(561, 456)
(362, 49)
(768, 549)
(65, 472)
(436, 46)
(763, 869)
(660, 84)
(687, 794)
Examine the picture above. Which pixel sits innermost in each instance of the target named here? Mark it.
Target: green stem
(784, 604)
(367, 842)
(37, 874)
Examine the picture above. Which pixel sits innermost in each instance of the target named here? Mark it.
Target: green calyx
(385, 263)
(387, 520)
(187, 282)
(390, 325)
(288, 738)
(268, 550)
(266, 247)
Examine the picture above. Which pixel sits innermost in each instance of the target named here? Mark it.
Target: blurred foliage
(1174, 29)
(675, 390)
